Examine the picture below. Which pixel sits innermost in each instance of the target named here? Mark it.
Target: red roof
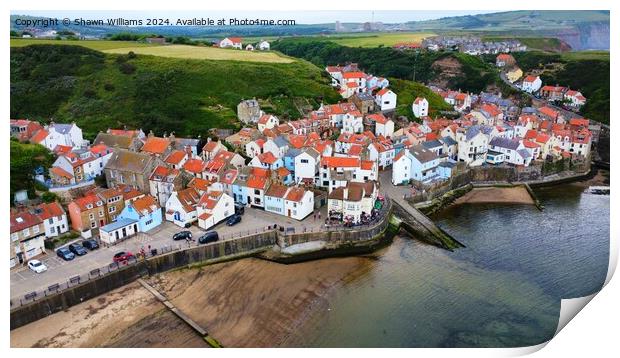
(39, 136)
(58, 171)
(200, 184)
(352, 84)
(100, 149)
(267, 158)
(235, 39)
(530, 78)
(63, 149)
(580, 122)
(229, 176)
(46, 211)
(255, 182)
(264, 118)
(542, 138)
(194, 165)
(175, 157)
(340, 162)
(547, 111)
(367, 164)
(491, 109)
(530, 134)
(378, 118)
(156, 145)
(530, 144)
(354, 74)
(145, 204)
(295, 194)
(383, 91)
(259, 172)
(90, 199)
(23, 220)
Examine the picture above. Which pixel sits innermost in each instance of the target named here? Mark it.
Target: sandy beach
(244, 303)
(117, 319)
(508, 195)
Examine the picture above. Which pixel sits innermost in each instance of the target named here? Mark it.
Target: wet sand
(256, 303)
(508, 195)
(244, 303)
(126, 317)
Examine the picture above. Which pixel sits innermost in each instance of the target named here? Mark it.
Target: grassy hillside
(408, 91)
(474, 74)
(205, 53)
(92, 44)
(98, 91)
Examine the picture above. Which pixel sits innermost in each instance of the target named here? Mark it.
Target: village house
(416, 163)
(420, 107)
(129, 140)
(157, 146)
(553, 93)
(241, 138)
(298, 203)
(231, 42)
(364, 101)
(274, 199)
(130, 168)
(352, 122)
(176, 159)
(336, 171)
(264, 45)
(214, 207)
(574, 99)
(385, 100)
(267, 121)
(505, 60)
(306, 165)
(54, 218)
(353, 201)
(27, 237)
(69, 134)
(514, 151)
(248, 111)
(531, 84)
(383, 126)
(181, 207)
(381, 152)
(514, 74)
(24, 129)
(163, 182)
(114, 202)
(87, 213)
(472, 145)
(118, 230)
(210, 149)
(145, 211)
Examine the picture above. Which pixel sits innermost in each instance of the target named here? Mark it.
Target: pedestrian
(319, 215)
(314, 214)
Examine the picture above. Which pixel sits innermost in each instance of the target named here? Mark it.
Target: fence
(229, 245)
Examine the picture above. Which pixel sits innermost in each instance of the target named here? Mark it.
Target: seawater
(502, 290)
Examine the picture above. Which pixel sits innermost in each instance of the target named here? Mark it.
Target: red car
(122, 256)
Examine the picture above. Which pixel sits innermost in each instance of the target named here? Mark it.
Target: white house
(383, 126)
(382, 153)
(575, 98)
(353, 201)
(298, 203)
(416, 163)
(214, 207)
(306, 164)
(181, 207)
(71, 133)
(234, 42)
(513, 150)
(54, 218)
(163, 182)
(531, 84)
(420, 107)
(267, 121)
(352, 122)
(472, 145)
(386, 99)
(264, 46)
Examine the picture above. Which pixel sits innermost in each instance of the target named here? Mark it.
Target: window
(148, 222)
(256, 192)
(93, 224)
(52, 230)
(35, 229)
(91, 216)
(304, 161)
(112, 209)
(50, 220)
(100, 213)
(14, 236)
(26, 232)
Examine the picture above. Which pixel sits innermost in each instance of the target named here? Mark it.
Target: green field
(99, 90)
(375, 40)
(205, 53)
(586, 55)
(99, 45)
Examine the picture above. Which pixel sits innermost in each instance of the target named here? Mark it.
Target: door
(101, 223)
(124, 232)
(289, 212)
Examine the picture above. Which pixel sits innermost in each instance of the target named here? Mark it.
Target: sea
(502, 290)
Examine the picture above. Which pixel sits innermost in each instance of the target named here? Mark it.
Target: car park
(65, 254)
(182, 235)
(77, 249)
(235, 219)
(37, 266)
(90, 244)
(209, 236)
(122, 256)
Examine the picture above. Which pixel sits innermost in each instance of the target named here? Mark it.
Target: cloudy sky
(301, 17)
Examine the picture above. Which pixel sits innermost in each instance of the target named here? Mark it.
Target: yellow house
(514, 74)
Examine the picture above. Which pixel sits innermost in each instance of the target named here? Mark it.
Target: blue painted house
(240, 191)
(145, 211)
(289, 159)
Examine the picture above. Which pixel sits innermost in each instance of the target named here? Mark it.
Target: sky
(301, 17)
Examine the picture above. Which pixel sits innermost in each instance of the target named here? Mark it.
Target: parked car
(37, 266)
(239, 209)
(77, 249)
(65, 254)
(209, 236)
(90, 244)
(183, 235)
(235, 219)
(122, 256)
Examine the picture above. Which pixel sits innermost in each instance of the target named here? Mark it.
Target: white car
(37, 266)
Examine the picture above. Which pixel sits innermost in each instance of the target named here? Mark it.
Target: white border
(594, 330)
